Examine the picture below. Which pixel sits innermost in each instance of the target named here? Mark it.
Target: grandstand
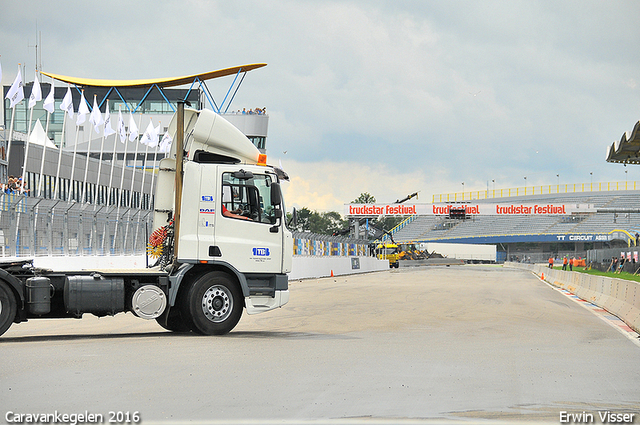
(614, 224)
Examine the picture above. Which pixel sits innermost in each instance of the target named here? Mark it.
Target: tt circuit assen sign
(368, 210)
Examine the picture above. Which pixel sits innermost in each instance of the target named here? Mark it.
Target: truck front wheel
(8, 307)
(213, 303)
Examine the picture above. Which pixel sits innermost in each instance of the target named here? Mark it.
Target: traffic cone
(331, 273)
(542, 277)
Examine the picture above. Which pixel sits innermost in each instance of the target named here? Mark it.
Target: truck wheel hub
(217, 303)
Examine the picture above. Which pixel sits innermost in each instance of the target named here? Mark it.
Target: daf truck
(220, 232)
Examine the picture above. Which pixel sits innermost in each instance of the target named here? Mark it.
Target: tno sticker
(207, 198)
(261, 252)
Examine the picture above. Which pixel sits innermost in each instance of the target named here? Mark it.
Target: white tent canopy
(39, 137)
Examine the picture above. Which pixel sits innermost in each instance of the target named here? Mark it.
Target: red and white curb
(610, 319)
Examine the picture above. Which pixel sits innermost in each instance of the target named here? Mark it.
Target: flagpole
(133, 179)
(113, 161)
(153, 174)
(113, 156)
(13, 117)
(86, 164)
(26, 153)
(46, 130)
(13, 111)
(144, 174)
(73, 162)
(120, 194)
(44, 153)
(135, 159)
(104, 136)
(57, 181)
(44, 148)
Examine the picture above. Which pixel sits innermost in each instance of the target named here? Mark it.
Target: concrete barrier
(312, 267)
(619, 297)
(303, 267)
(431, 262)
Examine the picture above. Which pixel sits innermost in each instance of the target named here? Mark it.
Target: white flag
(147, 137)
(165, 144)
(36, 92)
(67, 103)
(156, 137)
(133, 128)
(108, 131)
(96, 116)
(83, 110)
(49, 101)
(122, 131)
(16, 92)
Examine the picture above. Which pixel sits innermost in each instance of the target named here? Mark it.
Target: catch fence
(31, 226)
(34, 227)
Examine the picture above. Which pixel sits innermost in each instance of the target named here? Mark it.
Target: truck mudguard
(15, 283)
(176, 279)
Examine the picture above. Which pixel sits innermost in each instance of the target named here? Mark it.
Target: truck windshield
(250, 198)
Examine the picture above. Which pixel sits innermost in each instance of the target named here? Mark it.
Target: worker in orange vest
(564, 263)
(551, 262)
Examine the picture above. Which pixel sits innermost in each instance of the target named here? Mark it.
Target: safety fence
(535, 190)
(618, 296)
(32, 226)
(311, 244)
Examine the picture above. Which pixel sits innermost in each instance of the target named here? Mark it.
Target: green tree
(381, 222)
(323, 223)
(364, 198)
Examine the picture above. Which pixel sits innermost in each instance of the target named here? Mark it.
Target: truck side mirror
(293, 221)
(276, 195)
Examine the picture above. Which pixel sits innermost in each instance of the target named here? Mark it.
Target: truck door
(249, 231)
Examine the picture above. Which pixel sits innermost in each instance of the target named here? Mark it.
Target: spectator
(621, 265)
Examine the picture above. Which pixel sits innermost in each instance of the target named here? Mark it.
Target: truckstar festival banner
(367, 210)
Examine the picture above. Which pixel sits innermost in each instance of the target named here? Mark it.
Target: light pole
(525, 185)
(591, 174)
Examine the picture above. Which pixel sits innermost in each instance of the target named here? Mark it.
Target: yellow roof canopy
(161, 82)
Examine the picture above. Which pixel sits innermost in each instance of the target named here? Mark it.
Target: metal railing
(535, 190)
(32, 227)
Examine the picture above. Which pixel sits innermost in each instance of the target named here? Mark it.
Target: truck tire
(213, 304)
(8, 307)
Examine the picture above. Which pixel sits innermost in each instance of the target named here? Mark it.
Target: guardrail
(618, 296)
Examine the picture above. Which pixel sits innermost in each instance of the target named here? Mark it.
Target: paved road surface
(416, 345)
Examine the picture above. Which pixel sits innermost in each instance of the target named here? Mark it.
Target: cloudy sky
(385, 97)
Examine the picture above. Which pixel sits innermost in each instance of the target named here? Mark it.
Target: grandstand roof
(627, 149)
(161, 82)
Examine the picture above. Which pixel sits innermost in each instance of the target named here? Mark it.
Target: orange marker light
(262, 159)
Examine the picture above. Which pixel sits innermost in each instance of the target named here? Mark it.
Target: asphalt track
(416, 345)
